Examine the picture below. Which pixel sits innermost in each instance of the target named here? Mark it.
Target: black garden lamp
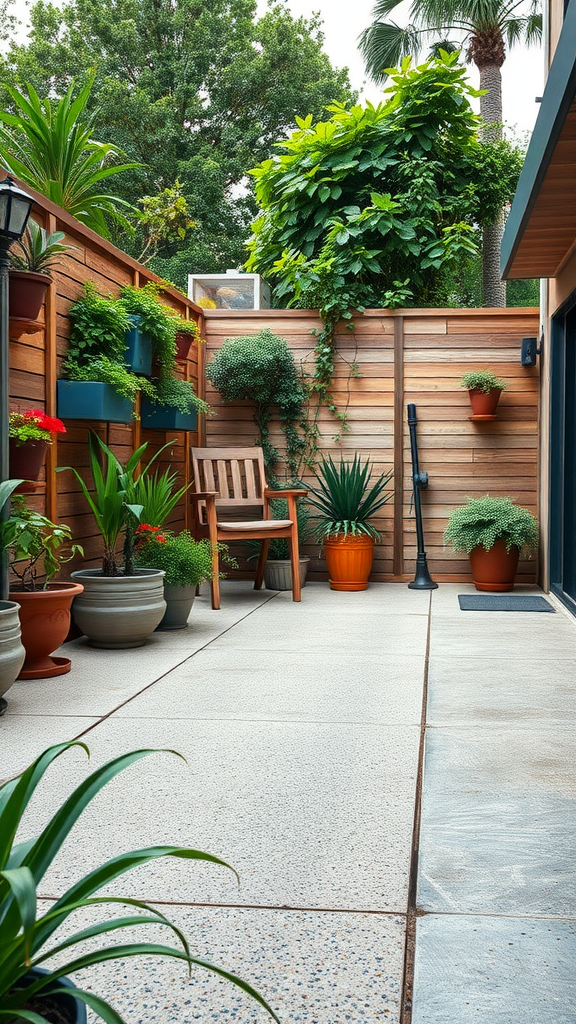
(15, 206)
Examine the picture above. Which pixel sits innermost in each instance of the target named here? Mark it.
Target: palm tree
(487, 28)
(48, 144)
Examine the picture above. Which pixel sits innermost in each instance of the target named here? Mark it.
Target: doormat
(503, 603)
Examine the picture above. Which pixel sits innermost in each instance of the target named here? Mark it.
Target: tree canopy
(193, 90)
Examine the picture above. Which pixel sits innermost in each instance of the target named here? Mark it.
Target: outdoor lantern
(15, 206)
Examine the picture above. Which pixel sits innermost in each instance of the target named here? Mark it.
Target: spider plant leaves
(346, 497)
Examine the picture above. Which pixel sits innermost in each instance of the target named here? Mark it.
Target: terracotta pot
(183, 343)
(484, 404)
(494, 570)
(349, 561)
(26, 461)
(27, 293)
(45, 621)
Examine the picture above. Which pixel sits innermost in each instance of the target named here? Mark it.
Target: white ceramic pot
(119, 611)
(12, 653)
(278, 573)
(179, 601)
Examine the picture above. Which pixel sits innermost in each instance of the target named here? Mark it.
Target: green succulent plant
(37, 251)
(483, 380)
(347, 498)
(483, 521)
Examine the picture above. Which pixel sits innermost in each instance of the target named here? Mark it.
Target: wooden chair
(235, 478)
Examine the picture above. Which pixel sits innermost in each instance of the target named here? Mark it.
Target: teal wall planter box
(166, 417)
(139, 348)
(92, 400)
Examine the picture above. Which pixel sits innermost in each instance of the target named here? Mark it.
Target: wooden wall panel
(410, 356)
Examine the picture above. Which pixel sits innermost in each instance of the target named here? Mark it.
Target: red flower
(50, 423)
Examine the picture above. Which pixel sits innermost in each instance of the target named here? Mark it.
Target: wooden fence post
(398, 553)
(50, 375)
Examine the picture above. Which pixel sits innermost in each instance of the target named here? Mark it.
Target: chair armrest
(292, 493)
(203, 495)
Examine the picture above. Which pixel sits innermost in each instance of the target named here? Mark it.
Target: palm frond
(384, 44)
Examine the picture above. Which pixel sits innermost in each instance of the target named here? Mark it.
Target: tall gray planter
(278, 573)
(119, 611)
(12, 653)
(179, 601)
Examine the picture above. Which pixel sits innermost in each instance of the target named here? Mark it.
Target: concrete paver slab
(501, 635)
(494, 970)
(386, 598)
(23, 739)
(309, 630)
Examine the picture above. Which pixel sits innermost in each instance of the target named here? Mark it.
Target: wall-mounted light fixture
(530, 349)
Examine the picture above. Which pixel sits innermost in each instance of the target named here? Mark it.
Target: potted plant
(31, 262)
(12, 653)
(484, 390)
(186, 563)
(346, 499)
(492, 532)
(36, 549)
(29, 434)
(278, 568)
(32, 932)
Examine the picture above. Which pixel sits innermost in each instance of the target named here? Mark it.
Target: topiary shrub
(483, 380)
(483, 521)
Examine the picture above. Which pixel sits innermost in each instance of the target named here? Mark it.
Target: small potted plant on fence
(346, 499)
(36, 549)
(12, 653)
(29, 434)
(31, 261)
(492, 532)
(32, 991)
(484, 390)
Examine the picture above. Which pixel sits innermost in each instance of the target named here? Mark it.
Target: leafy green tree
(194, 91)
(486, 28)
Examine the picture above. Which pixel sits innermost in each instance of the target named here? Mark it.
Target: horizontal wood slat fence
(35, 365)
(410, 356)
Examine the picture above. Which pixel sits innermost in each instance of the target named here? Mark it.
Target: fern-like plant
(347, 498)
(483, 380)
(483, 521)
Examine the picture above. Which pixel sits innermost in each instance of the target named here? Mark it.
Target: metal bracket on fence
(422, 579)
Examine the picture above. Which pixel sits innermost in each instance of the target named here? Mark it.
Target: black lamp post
(15, 206)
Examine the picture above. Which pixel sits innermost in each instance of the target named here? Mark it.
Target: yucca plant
(483, 521)
(39, 252)
(24, 933)
(347, 498)
(158, 495)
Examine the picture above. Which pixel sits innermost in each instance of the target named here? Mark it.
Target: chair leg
(215, 581)
(295, 563)
(260, 565)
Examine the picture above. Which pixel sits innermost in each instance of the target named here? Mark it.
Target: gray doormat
(503, 603)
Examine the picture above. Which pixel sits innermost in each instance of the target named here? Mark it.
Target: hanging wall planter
(26, 462)
(139, 348)
(484, 390)
(183, 343)
(92, 400)
(27, 293)
(167, 417)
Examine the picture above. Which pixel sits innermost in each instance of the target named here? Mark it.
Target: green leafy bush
(483, 521)
(29, 925)
(483, 380)
(36, 547)
(186, 562)
(346, 498)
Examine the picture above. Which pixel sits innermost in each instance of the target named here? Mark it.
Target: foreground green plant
(483, 521)
(37, 548)
(483, 380)
(186, 562)
(26, 933)
(347, 498)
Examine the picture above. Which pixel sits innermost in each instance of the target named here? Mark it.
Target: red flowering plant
(34, 425)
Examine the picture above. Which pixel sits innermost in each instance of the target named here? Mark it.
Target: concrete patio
(303, 730)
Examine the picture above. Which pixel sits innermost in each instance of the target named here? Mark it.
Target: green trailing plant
(347, 497)
(33, 932)
(186, 562)
(260, 368)
(483, 380)
(37, 548)
(155, 321)
(127, 384)
(38, 252)
(483, 521)
(174, 391)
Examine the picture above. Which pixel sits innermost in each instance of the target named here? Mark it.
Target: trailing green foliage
(483, 521)
(118, 376)
(33, 932)
(185, 561)
(260, 368)
(347, 497)
(37, 251)
(483, 380)
(37, 547)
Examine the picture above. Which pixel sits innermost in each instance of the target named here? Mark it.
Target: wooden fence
(35, 365)
(411, 356)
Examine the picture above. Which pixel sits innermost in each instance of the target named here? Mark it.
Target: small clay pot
(484, 403)
(27, 293)
(349, 561)
(45, 621)
(494, 570)
(26, 461)
(183, 343)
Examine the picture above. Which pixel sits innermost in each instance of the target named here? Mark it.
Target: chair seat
(258, 524)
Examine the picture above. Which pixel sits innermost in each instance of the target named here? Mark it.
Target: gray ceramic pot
(179, 601)
(119, 611)
(278, 573)
(12, 653)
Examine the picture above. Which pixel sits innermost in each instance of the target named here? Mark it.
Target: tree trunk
(493, 288)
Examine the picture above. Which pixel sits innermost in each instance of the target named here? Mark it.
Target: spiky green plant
(483, 380)
(347, 498)
(25, 933)
(38, 251)
(483, 521)
(157, 494)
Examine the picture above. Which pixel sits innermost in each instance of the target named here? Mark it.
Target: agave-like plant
(347, 498)
(39, 252)
(24, 935)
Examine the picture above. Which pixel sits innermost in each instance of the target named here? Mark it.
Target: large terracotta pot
(26, 461)
(349, 561)
(27, 292)
(494, 570)
(45, 621)
(484, 404)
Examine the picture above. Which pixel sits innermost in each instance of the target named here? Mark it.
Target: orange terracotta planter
(45, 621)
(494, 570)
(349, 561)
(484, 404)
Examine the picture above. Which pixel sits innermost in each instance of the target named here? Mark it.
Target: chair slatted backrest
(236, 474)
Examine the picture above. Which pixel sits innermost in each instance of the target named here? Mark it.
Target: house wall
(411, 356)
(35, 365)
